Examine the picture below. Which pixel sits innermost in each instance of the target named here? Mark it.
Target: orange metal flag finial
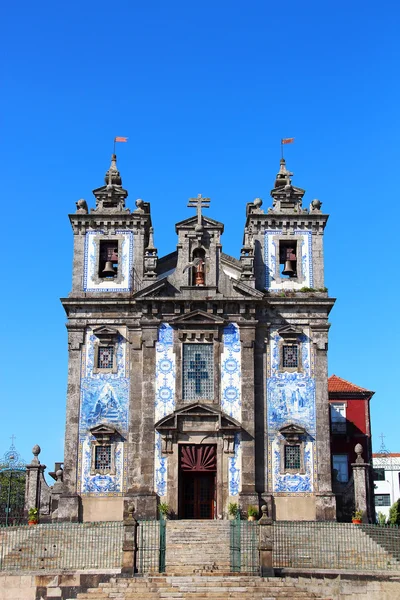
(285, 141)
(119, 138)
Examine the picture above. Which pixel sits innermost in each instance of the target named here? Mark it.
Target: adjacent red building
(350, 424)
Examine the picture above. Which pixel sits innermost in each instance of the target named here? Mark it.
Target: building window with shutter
(340, 464)
(338, 418)
(382, 500)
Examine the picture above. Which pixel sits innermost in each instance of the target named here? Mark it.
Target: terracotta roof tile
(389, 454)
(337, 384)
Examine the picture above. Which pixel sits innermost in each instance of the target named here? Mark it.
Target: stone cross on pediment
(199, 203)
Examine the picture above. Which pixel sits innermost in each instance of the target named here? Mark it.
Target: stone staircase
(197, 546)
(211, 587)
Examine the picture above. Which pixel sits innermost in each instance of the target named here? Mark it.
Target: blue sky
(204, 91)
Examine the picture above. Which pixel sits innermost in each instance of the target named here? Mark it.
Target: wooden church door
(198, 465)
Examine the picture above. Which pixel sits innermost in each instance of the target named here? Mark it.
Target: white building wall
(391, 484)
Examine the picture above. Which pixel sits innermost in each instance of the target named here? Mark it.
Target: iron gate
(12, 488)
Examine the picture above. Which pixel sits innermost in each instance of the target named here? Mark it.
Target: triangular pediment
(197, 411)
(103, 430)
(290, 332)
(154, 289)
(246, 290)
(292, 428)
(99, 331)
(207, 223)
(197, 317)
(292, 433)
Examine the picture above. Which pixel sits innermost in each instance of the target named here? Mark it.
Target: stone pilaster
(69, 501)
(325, 499)
(142, 424)
(248, 493)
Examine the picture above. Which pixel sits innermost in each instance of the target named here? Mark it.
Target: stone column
(361, 476)
(69, 502)
(266, 544)
(248, 495)
(34, 476)
(325, 499)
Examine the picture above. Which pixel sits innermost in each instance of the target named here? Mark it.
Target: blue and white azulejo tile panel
(231, 384)
(290, 400)
(165, 373)
(102, 485)
(271, 255)
(160, 471)
(164, 399)
(104, 400)
(91, 282)
(235, 463)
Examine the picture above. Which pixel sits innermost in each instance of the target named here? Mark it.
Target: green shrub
(394, 513)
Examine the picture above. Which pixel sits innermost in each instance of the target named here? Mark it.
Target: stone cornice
(287, 221)
(81, 223)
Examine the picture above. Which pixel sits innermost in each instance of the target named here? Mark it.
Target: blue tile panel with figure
(104, 401)
(290, 401)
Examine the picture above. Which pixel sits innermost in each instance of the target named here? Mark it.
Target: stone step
(198, 588)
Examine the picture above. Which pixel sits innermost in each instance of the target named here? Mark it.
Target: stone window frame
(201, 336)
(290, 338)
(292, 436)
(199, 344)
(105, 337)
(119, 239)
(298, 240)
(104, 436)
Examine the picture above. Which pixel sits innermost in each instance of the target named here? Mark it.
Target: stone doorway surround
(198, 424)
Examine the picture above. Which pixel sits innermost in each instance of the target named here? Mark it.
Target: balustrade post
(130, 546)
(266, 544)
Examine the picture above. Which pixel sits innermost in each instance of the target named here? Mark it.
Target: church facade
(197, 379)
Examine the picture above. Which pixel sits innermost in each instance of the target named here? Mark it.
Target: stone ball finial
(82, 207)
(316, 204)
(264, 510)
(139, 203)
(257, 202)
(59, 474)
(36, 450)
(359, 450)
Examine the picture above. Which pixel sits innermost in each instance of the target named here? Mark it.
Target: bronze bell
(289, 268)
(108, 270)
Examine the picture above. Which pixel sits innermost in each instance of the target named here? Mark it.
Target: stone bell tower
(113, 250)
(289, 266)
